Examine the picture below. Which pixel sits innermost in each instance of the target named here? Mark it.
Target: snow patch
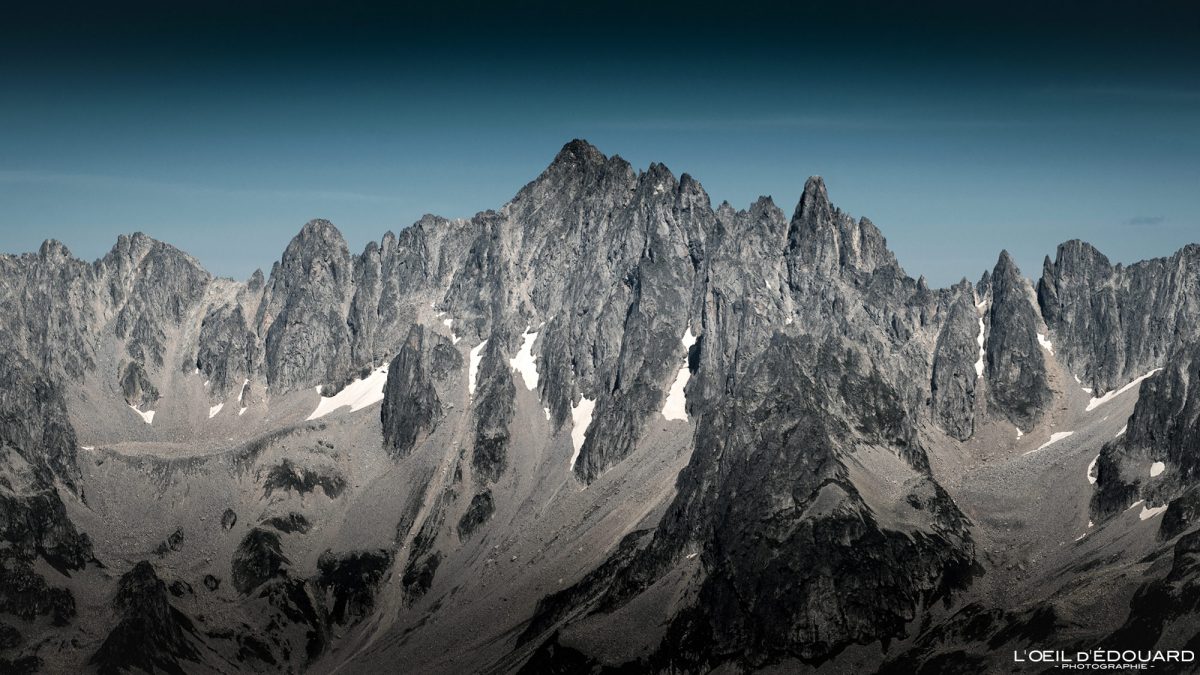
(212, 412)
(525, 363)
(449, 323)
(147, 417)
(87, 447)
(1045, 343)
(1019, 432)
(1092, 476)
(357, 395)
(1054, 438)
(242, 411)
(1121, 432)
(581, 419)
(676, 406)
(242, 390)
(1134, 505)
(1097, 402)
(473, 372)
(1149, 512)
(979, 340)
(1157, 468)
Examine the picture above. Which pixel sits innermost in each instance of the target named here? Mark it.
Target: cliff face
(1117, 323)
(1016, 366)
(603, 396)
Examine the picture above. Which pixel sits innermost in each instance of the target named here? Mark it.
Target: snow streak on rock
(676, 406)
(581, 418)
(1097, 402)
(525, 363)
(473, 371)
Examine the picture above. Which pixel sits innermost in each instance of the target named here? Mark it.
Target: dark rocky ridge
(151, 635)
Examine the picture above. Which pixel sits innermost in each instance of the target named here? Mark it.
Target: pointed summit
(319, 229)
(1016, 365)
(577, 153)
(54, 250)
(1005, 263)
(814, 203)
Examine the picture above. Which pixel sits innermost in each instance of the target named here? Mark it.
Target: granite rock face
(228, 350)
(302, 316)
(957, 361)
(1164, 428)
(1016, 366)
(410, 403)
(1117, 323)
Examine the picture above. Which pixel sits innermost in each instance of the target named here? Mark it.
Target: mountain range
(606, 428)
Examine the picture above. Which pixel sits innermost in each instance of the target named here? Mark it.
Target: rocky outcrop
(136, 386)
(1018, 387)
(352, 579)
(290, 477)
(228, 351)
(150, 635)
(303, 313)
(1117, 323)
(152, 286)
(411, 407)
(793, 520)
(289, 524)
(258, 558)
(956, 372)
(1165, 425)
(481, 508)
(1164, 428)
(495, 404)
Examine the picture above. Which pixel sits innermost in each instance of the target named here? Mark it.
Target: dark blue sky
(959, 130)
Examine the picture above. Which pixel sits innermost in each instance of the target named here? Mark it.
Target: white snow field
(357, 395)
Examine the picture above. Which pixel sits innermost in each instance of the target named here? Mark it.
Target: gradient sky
(959, 128)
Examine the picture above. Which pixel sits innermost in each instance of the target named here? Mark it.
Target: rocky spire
(303, 312)
(1016, 366)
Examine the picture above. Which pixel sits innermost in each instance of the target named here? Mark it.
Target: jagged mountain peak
(1006, 267)
(577, 152)
(317, 232)
(814, 201)
(53, 250)
(133, 248)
